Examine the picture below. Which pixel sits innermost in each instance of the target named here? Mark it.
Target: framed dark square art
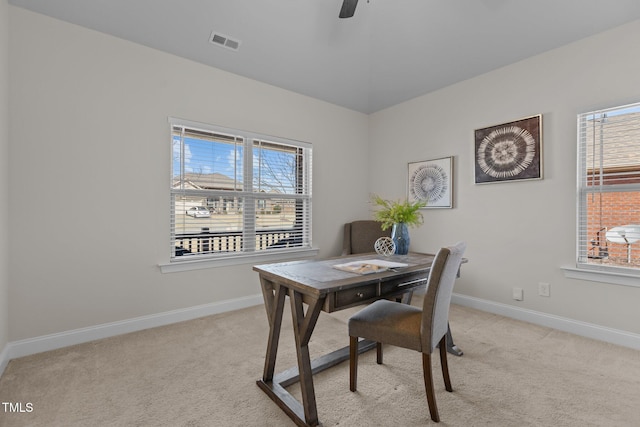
(509, 152)
(431, 180)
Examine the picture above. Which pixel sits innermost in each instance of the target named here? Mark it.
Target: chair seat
(388, 322)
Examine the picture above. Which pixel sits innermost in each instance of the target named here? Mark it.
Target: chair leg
(445, 365)
(428, 385)
(379, 353)
(353, 363)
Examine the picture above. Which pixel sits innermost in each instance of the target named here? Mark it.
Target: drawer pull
(360, 295)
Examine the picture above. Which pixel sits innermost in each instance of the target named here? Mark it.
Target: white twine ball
(385, 246)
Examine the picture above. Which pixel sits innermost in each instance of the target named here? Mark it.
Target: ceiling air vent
(224, 41)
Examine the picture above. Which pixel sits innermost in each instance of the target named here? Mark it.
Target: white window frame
(584, 269)
(248, 254)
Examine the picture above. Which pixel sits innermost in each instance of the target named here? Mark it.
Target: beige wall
(4, 173)
(89, 115)
(518, 233)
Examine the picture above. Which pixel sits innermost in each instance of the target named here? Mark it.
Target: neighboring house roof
(213, 181)
(208, 181)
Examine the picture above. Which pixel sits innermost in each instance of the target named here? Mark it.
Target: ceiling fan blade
(348, 8)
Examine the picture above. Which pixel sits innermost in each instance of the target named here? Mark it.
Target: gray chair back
(435, 310)
(360, 236)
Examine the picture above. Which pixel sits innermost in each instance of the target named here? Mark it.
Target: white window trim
(583, 273)
(235, 259)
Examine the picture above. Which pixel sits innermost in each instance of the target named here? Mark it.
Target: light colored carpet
(203, 372)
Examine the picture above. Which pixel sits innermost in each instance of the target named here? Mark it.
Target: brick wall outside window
(608, 210)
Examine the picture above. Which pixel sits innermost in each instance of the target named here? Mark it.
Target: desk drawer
(357, 295)
(395, 286)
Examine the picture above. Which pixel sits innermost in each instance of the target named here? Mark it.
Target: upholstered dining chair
(360, 236)
(407, 326)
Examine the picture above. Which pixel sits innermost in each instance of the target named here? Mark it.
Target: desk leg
(451, 347)
(303, 326)
(405, 298)
(274, 296)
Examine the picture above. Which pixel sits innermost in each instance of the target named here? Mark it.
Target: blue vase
(400, 236)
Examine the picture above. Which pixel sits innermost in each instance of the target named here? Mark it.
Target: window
(236, 193)
(609, 190)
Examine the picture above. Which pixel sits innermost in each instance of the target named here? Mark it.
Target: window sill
(198, 264)
(602, 276)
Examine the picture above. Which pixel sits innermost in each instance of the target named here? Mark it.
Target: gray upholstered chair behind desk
(407, 326)
(360, 236)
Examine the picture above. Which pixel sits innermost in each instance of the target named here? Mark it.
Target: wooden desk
(322, 287)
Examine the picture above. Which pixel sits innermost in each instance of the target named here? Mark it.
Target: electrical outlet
(544, 289)
(518, 294)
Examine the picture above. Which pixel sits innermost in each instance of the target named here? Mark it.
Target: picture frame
(431, 181)
(509, 151)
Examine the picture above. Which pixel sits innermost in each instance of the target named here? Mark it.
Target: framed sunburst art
(431, 181)
(509, 152)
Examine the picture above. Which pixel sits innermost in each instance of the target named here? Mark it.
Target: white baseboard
(589, 330)
(78, 336)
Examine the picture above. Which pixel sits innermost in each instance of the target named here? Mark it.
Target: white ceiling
(389, 52)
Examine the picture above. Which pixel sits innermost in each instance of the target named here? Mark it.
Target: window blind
(609, 189)
(235, 192)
